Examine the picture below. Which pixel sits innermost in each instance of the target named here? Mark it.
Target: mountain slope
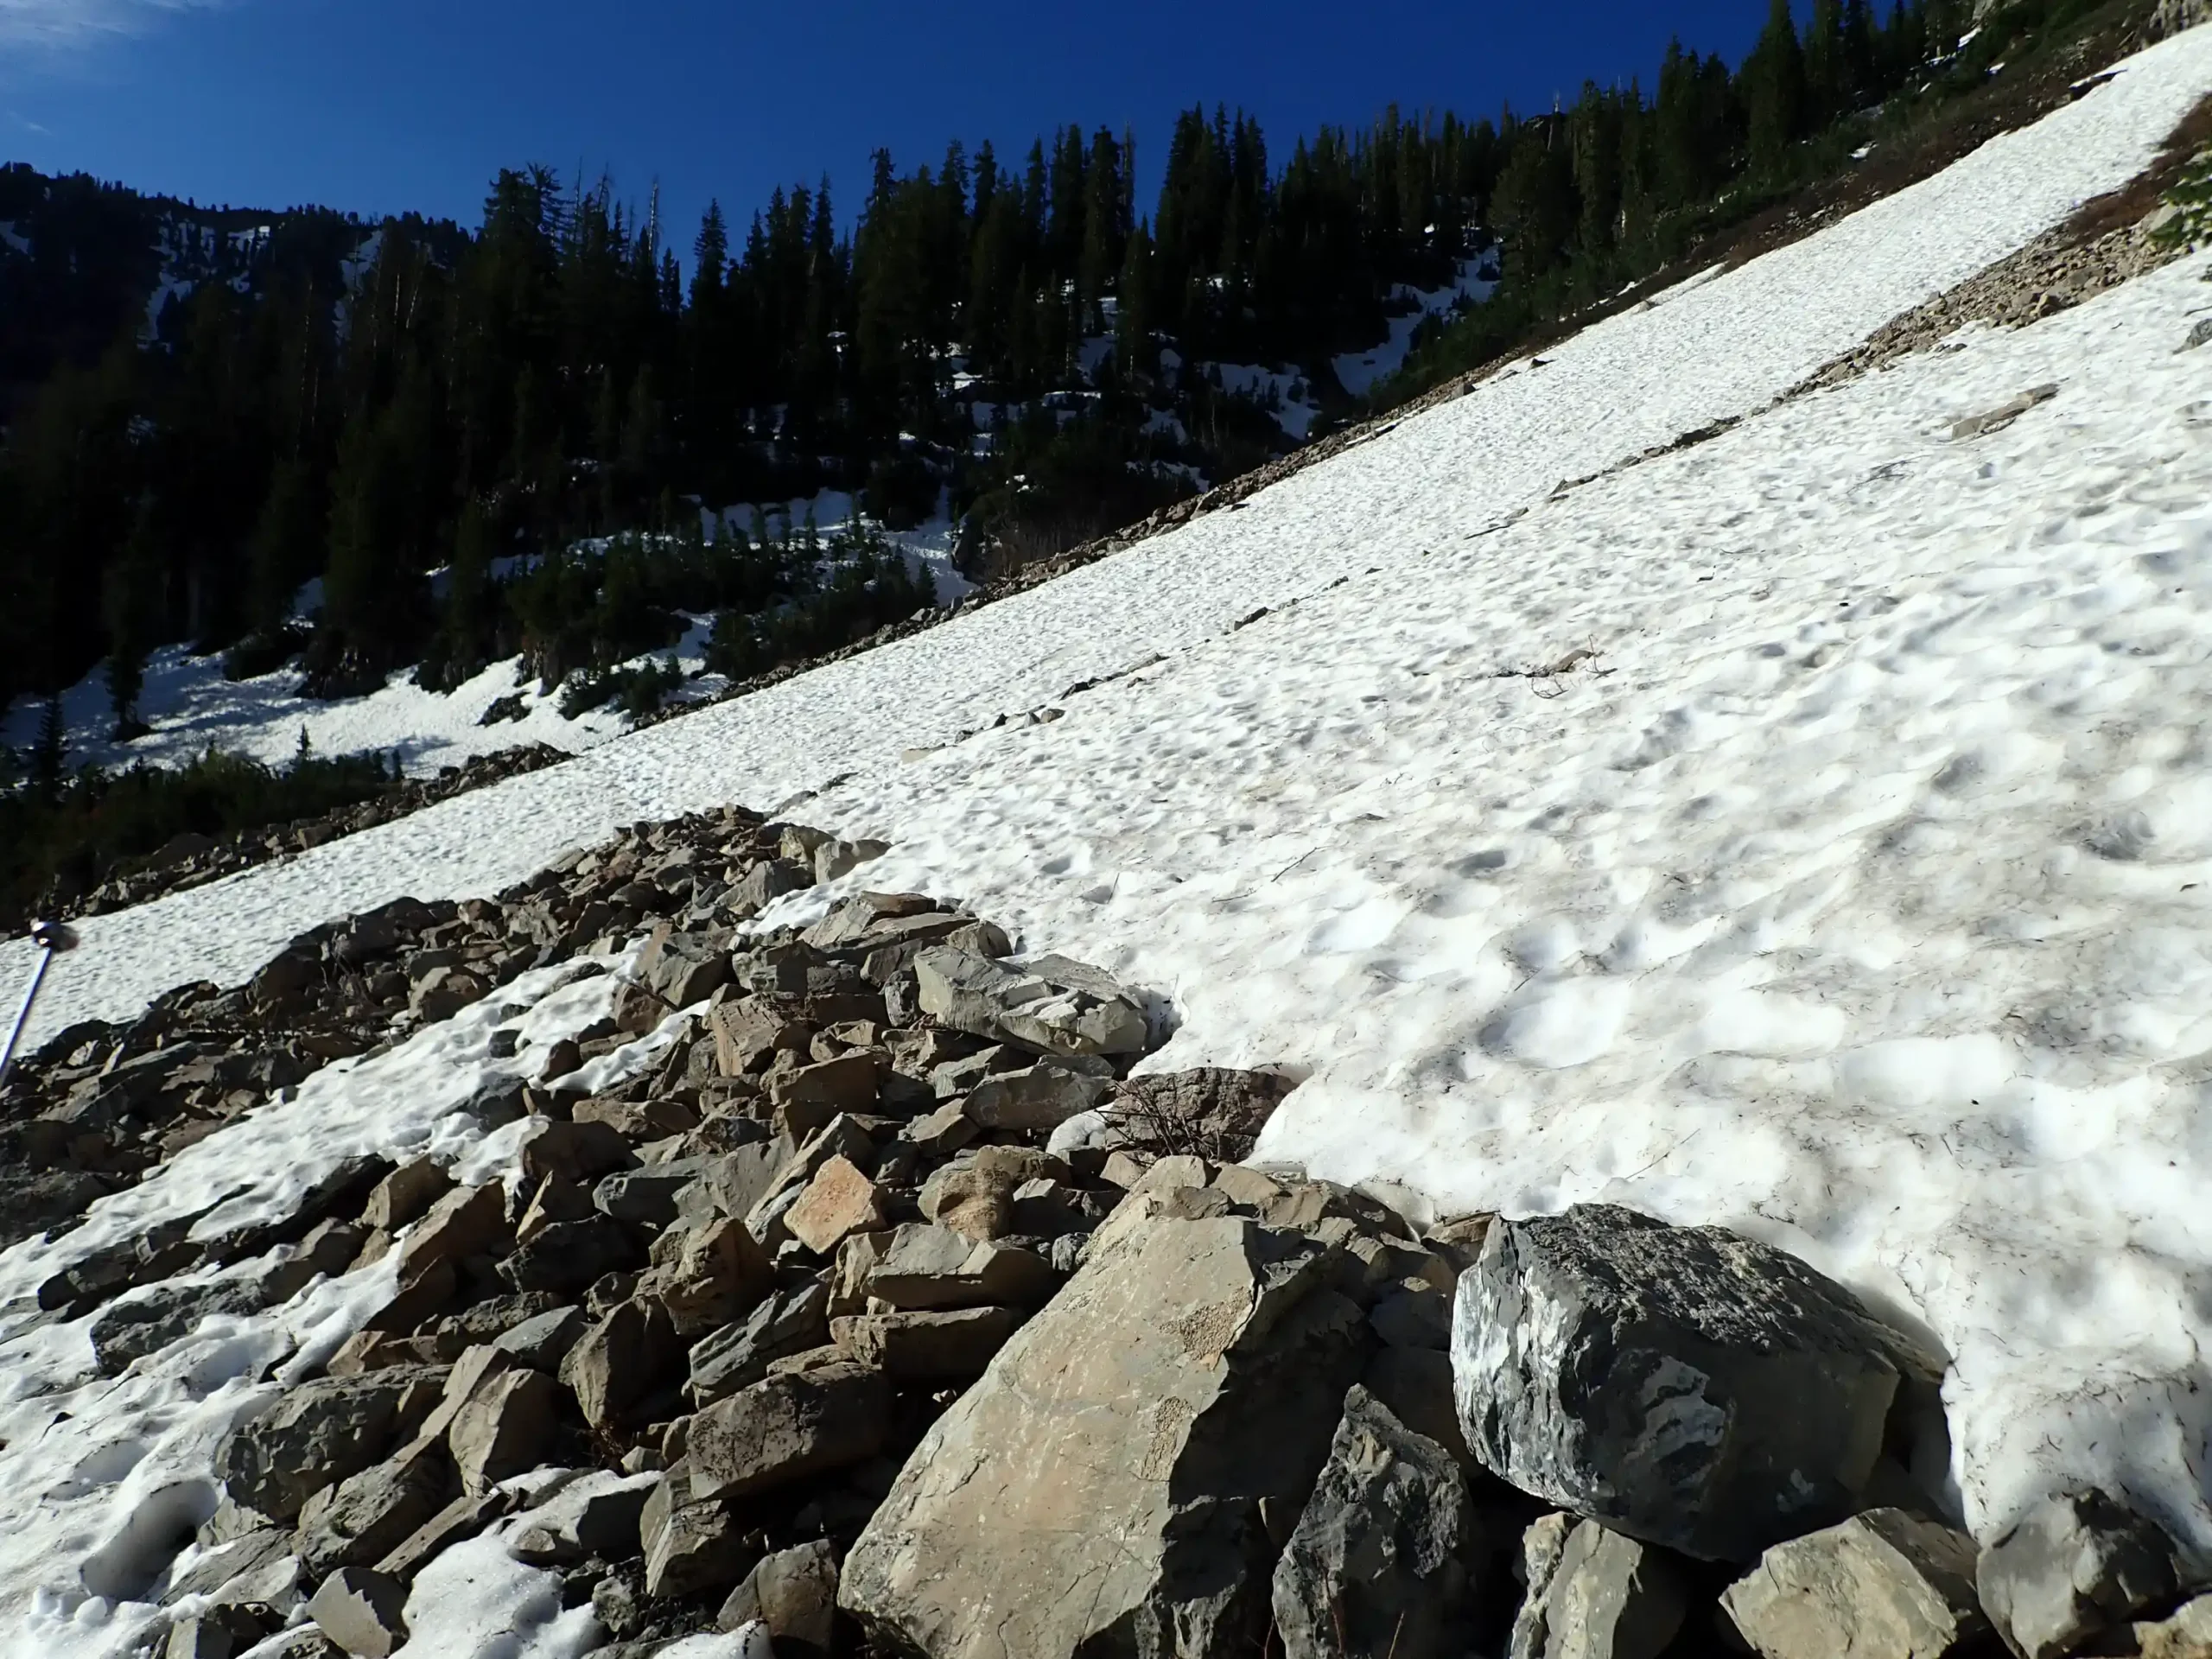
(1851, 894)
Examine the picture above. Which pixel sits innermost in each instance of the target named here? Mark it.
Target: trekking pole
(49, 936)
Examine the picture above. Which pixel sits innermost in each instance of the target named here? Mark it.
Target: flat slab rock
(1686, 1386)
(1190, 1373)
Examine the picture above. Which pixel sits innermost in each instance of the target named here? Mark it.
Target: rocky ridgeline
(192, 861)
(888, 1314)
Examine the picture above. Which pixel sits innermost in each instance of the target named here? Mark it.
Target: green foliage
(84, 829)
(860, 584)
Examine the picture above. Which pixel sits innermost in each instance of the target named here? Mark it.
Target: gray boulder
(787, 1426)
(320, 1432)
(1377, 1564)
(1594, 1594)
(365, 1516)
(2074, 1565)
(1684, 1385)
(1885, 1584)
(1190, 1375)
(1048, 1004)
(360, 1610)
(794, 1593)
(790, 1322)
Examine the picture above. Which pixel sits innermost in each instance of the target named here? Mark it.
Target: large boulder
(1048, 1004)
(1189, 1374)
(1378, 1562)
(1683, 1385)
(320, 1432)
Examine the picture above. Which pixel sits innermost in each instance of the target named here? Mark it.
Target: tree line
(433, 421)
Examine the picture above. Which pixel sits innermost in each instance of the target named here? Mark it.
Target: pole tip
(53, 936)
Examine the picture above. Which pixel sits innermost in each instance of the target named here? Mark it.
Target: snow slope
(1859, 895)
(191, 706)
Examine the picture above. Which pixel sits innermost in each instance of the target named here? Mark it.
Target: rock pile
(888, 1314)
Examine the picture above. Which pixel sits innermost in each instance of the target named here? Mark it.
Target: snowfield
(1857, 893)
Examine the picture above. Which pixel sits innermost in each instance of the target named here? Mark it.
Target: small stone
(360, 1609)
(718, 1274)
(925, 1268)
(1884, 1585)
(944, 1131)
(1035, 1099)
(839, 1201)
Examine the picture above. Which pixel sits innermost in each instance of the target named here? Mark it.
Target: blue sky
(380, 105)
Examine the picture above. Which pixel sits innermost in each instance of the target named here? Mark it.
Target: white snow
(1857, 895)
(12, 237)
(1359, 372)
(191, 706)
(1283, 393)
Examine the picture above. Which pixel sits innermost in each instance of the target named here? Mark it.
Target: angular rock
(644, 1197)
(718, 1275)
(839, 1201)
(1378, 1562)
(156, 1316)
(406, 1195)
(793, 1593)
(784, 1427)
(1212, 1112)
(1684, 1385)
(468, 1221)
(1415, 1385)
(619, 1361)
(543, 1342)
(747, 1032)
(689, 1546)
(924, 1269)
(1885, 1584)
(926, 1347)
(2074, 1565)
(1049, 1004)
(600, 1514)
(1595, 1594)
(2187, 1633)
(789, 1322)
(320, 1432)
(443, 992)
(463, 1518)
(504, 1427)
(1036, 1099)
(1190, 1374)
(360, 1609)
(581, 1152)
(568, 1257)
(681, 969)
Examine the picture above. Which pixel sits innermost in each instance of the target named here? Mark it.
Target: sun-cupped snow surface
(1857, 894)
(1724, 348)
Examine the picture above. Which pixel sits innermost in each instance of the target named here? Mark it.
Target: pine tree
(133, 611)
(1774, 87)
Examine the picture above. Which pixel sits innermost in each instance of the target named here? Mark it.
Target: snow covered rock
(1885, 1584)
(1048, 1004)
(1188, 1375)
(2073, 1567)
(1685, 1385)
(360, 1610)
(1378, 1562)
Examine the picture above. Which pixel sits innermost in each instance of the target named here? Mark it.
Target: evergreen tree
(133, 611)
(1774, 92)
